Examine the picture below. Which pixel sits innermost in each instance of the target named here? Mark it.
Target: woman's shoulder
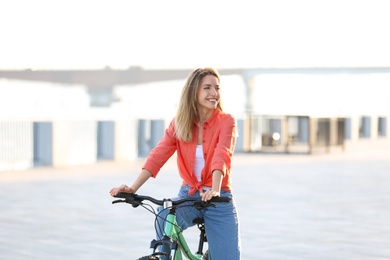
(226, 117)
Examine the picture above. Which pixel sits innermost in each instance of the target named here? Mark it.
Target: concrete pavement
(322, 206)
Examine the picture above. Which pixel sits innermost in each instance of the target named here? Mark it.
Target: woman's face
(208, 93)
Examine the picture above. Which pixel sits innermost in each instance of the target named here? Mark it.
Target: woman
(204, 138)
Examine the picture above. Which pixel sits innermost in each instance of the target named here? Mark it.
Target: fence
(304, 134)
(61, 142)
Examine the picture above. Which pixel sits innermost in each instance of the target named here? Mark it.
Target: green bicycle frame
(172, 230)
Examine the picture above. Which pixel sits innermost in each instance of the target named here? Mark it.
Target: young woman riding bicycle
(204, 138)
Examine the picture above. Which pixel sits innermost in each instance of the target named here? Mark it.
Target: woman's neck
(204, 116)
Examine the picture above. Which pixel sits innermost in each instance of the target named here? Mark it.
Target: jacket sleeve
(225, 145)
(162, 152)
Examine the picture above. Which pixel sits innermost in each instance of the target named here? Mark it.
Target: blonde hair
(187, 109)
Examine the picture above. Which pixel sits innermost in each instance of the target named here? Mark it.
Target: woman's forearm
(217, 180)
(141, 179)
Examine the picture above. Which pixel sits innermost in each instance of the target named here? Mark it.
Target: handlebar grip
(125, 195)
(221, 199)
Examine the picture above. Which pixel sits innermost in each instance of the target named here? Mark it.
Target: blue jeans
(221, 223)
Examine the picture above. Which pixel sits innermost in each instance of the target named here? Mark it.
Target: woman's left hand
(209, 194)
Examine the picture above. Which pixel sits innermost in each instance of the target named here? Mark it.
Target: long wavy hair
(187, 110)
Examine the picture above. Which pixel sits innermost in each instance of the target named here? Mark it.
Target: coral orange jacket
(219, 135)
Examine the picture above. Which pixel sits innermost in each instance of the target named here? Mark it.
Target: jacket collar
(212, 118)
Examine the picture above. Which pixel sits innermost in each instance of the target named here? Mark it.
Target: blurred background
(97, 80)
(88, 87)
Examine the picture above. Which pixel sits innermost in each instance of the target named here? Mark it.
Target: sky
(85, 34)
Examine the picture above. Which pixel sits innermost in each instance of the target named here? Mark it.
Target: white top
(199, 162)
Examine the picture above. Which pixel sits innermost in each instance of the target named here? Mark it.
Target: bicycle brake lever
(203, 204)
(118, 201)
(132, 202)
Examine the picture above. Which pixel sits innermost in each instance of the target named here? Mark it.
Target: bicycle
(173, 234)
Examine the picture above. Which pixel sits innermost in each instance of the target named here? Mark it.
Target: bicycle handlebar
(136, 200)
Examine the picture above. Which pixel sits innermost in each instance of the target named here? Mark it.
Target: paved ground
(323, 206)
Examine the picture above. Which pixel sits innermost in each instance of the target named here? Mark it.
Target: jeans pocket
(183, 192)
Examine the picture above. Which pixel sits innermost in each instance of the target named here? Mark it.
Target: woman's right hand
(122, 188)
